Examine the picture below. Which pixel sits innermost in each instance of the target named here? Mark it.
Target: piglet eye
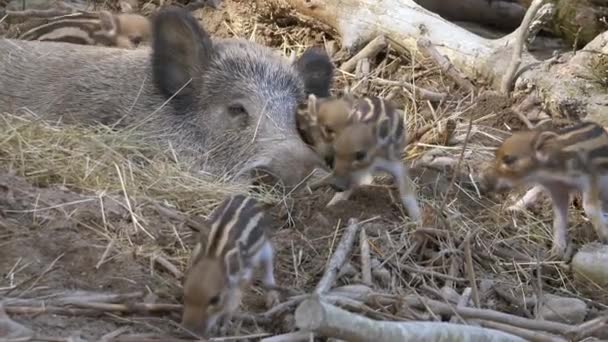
(237, 109)
(136, 40)
(359, 155)
(509, 159)
(215, 300)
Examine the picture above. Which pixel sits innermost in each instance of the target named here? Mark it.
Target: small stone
(589, 264)
(563, 309)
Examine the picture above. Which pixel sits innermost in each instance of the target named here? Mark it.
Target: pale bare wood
(366, 263)
(518, 45)
(339, 257)
(331, 321)
(478, 58)
(369, 51)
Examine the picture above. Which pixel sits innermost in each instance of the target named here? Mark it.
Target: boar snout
(287, 163)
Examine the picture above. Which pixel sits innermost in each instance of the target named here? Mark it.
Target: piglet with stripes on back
(357, 137)
(237, 244)
(558, 162)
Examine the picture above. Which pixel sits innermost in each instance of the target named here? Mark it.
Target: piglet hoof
(223, 328)
(339, 197)
(272, 299)
(560, 252)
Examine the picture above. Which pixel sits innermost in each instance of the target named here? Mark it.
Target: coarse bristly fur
(227, 105)
(237, 243)
(357, 137)
(558, 162)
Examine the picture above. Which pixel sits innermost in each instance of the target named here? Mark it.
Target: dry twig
(446, 66)
(369, 51)
(518, 45)
(366, 263)
(339, 257)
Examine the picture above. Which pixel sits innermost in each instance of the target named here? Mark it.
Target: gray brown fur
(235, 110)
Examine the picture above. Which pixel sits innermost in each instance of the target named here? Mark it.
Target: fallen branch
(470, 270)
(564, 88)
(366, 263)
(94, 309)
(339, 257)
(463, 302)
(444, 64)
(298, 336)
(369, 51)
(45, 13)
(424, 94)
(161, 260)
(586, 329)
(330, 321)
(521, 332)
(518, 45)
(490, 315)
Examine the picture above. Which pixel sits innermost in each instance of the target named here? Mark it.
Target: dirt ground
(56, 239)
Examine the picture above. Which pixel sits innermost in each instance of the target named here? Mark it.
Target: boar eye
(509, 159)
(215, 300)
(359, 155)
(237, 109)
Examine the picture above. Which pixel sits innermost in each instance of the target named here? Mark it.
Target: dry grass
(499, 249)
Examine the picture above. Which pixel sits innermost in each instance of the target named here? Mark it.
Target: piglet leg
(267, 261)
(593, 208)
(359, 179)
(406, 192)
(560, 199)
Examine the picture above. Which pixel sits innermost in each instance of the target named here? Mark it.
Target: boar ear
(317, 70)
(540, 143)
(180, 49)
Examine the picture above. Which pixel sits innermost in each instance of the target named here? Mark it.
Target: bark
(563, 88)
(330, 321)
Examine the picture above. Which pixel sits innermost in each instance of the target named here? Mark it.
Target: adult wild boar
(228, 103)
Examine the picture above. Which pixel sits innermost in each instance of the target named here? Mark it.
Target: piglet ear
(108, 23)
(312, 105)
(540, 143)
